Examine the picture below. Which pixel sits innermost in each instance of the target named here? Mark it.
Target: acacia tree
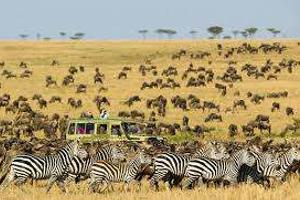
(245, 34)
(160, 32)
(215, 31)
(193, 33)
(170, 33)
(77, 36)
(235, 33)
(38, 36)
(62, 34)
(143, 33)
(274, 31)
(23, 36)
(251, 31)
(227, 37)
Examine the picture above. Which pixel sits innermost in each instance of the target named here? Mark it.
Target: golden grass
(287, 191)
(110, 57)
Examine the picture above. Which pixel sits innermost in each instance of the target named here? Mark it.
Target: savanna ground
(287, 191)
(110, 57)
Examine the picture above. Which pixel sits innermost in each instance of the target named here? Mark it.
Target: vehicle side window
(102, 129)
(71, 130)
(130, 128)
(116, 130)
(80, 129)
(90, 128)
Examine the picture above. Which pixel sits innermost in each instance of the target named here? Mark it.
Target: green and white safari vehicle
(89, 130)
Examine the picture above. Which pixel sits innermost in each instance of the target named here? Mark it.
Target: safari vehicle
(95, 129)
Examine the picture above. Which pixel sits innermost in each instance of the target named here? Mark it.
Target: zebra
(249, 174)
(212, 169)
(52, 167)
(254, 174)
(104, 172)
(279, 171)
(170, 167)
(81, 167)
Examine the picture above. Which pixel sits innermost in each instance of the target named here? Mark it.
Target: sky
(121, 19)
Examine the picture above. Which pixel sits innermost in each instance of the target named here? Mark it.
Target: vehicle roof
(99, 120)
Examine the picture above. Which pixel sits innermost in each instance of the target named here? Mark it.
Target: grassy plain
(111, 57)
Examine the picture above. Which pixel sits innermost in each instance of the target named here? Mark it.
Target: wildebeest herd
(183, 91)
(172, 99)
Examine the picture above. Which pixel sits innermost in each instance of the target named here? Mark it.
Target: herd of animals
(28, 119)
(187, 166)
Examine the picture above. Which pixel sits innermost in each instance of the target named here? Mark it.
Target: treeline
(214, 32)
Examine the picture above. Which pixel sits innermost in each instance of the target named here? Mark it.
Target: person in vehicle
(104, 114)
(80, 130)
(116, 130)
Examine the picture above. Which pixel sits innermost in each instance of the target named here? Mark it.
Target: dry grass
(287, 191)
(110, 57)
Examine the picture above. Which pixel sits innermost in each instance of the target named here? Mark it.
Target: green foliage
(251, 31)
(77, 36)
(168, 32)
(193, 33)
(215, 31)
(227, 37)
(235, 33)
(245, 34)
(46, 38)
(274, 31)
(143, 32)
(23, 36)
(62, 34)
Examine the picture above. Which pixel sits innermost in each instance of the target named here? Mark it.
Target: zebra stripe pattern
(250, 174)
(280, 170)
(104, 172)
(263, 159)
(52, 167)
(81, 167)
(171, 167)
(211, 169)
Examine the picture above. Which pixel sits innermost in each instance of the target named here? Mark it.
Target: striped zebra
(52, 167)
(212, 169)
(249, 174)
(263, 159)
(104, 173)
(254, 174)
(170, 167)
(81, 167)
(279, 171)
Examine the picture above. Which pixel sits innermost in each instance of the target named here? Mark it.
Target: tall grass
(286, 191)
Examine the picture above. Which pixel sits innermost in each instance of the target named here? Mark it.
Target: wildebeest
(289, 111)
(213, 117)
(275, 106)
